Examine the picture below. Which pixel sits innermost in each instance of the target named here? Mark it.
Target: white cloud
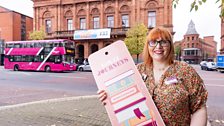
(206, 19)
(22, 6)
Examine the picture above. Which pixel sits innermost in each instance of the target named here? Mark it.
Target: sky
(206, 19)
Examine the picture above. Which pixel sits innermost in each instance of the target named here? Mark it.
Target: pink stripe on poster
(129, 105)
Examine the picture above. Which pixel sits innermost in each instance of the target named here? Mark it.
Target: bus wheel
(47, 69)
(16, 68)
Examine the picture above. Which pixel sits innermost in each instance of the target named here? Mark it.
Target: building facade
(222, 36)
(195, 49)
(1, 51)
(14, 26)
(70, 18)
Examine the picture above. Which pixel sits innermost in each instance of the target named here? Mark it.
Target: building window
(96, 22)
(48, 26)
(151, 19)
(110, 21)
(125, 21)
(82, 23)
(192, 45)
(69, 24)
(23, 27)
(188, 38)
(187, 45)
(192, 38)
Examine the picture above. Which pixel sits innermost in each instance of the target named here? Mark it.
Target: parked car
(84, 67)
(210, 66)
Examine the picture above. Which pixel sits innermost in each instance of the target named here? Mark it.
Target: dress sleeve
(197, 91)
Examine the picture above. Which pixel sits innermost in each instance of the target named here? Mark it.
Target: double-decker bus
(40, 55)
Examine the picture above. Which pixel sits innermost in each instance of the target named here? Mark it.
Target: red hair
(154, 34)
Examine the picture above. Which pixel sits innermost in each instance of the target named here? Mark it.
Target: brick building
(85, 18)
(14, 26)
(195, 49)
(222, 36)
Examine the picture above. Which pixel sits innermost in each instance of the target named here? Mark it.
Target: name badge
(171, 80)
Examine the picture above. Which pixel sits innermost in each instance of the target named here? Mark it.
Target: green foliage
(177, 50)
(37, 35)
(196, 3)
(135, 39)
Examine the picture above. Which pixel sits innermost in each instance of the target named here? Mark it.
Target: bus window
(58, 59)
(36, 58)
(29, 59)
(56, 44)
(28, 45)
(23, 58)
(61, 44)
(10, 58)
(31, 45)
(17, 58)
(37, 45)
(9, 45)
(48, 45)
(41, 57)
(17, 45)
(51, 59)
(23, 45)
(69, 44)
(42, 44)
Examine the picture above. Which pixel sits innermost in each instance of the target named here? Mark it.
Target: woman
(176, 88)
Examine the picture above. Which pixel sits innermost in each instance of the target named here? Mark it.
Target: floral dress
(180, 92)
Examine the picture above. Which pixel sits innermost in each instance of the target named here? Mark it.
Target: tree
(135, 39)
(196, 3)
(177, 51)
(37, 35)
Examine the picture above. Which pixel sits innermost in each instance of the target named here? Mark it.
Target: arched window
(69, 20)
(47, 22)
(109, 15)
(125, 12)
(95, 14)
(151, 13)
(82, 19)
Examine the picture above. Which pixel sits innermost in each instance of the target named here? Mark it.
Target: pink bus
(40, 55)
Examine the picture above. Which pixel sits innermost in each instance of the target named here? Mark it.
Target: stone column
(87, 16)
(86, 49)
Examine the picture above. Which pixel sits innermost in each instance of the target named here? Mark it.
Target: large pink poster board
(129, 102)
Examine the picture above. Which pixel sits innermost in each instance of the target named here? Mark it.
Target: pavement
(70, 111)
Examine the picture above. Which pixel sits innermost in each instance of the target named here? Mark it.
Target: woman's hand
(102, 96)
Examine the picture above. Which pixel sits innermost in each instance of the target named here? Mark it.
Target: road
(25, 86)
(214, 82)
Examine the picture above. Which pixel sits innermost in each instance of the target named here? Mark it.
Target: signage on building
(92, 34)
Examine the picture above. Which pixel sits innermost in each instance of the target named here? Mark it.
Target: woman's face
(159, 50)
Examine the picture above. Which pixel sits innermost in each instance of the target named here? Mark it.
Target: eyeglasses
(163, 43)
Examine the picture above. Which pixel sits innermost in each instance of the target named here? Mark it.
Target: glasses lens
(164, 43)
(152, 43)
(161, 42)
